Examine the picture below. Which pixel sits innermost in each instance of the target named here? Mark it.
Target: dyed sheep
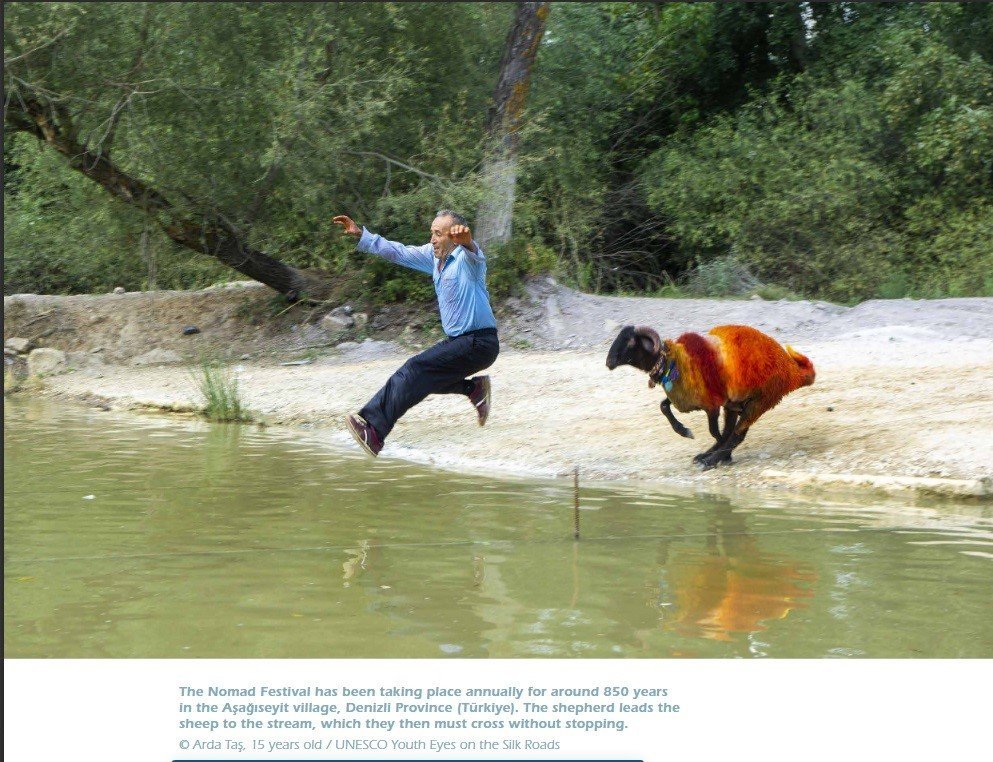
(735, 367)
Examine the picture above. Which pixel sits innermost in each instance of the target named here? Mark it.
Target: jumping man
(458, 267)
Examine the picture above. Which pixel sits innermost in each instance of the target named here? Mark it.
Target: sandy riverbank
(903, 398)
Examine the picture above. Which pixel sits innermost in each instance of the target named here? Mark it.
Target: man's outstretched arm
(415, 257)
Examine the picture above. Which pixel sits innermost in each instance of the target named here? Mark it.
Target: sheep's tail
(804, 364)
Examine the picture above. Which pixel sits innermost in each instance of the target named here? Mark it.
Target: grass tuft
(218, 387)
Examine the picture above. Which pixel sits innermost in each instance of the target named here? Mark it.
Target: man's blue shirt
(463, 300)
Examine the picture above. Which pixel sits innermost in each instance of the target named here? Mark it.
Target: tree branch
(214, 235)
(391, 160)
(275, 168)
(107, 140)
(8, 61)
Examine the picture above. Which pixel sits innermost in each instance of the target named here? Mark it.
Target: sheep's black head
(639, 347)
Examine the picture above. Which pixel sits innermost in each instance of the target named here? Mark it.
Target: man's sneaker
(480, 397)
(364, 434)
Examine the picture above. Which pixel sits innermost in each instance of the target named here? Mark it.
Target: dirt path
(903, 398)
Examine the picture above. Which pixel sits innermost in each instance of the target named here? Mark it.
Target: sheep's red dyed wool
(734, 367)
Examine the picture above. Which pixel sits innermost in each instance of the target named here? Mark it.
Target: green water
(131, 536)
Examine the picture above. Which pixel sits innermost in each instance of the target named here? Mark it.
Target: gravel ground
(902, 402)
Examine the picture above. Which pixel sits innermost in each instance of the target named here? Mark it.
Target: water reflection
(729, 585)
(226, 541)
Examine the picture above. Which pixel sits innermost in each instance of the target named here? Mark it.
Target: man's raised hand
(462, 236)
(348, 226)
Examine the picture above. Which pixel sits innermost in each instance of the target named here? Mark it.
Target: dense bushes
(846, 190)
(833, 150)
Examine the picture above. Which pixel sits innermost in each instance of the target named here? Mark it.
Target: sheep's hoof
(707, 462)
(685, 432)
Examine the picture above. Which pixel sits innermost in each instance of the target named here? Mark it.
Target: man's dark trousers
(442, 369)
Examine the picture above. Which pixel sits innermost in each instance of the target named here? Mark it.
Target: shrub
(219, 394)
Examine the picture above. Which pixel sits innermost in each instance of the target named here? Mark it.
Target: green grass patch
(220, 400)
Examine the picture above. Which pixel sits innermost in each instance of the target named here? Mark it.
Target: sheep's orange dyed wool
(701, 356)
(757, 366)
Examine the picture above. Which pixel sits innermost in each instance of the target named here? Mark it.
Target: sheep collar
(663, 372)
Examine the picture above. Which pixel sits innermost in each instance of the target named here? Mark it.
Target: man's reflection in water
(730, 586)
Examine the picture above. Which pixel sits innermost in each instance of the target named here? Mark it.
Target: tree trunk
(494, 219)
(212, 235)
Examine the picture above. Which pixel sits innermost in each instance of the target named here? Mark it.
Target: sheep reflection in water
(730, 586)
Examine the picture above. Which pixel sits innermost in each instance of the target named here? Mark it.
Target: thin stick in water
(575, 501)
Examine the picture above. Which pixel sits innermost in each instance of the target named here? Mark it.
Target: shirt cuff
(365, 240)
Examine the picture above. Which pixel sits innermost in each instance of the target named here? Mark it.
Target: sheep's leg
(732, 434)
(666, 408)
(722, 454)
(721, 451)
(737, 439)
(731, 413)
(713, 421)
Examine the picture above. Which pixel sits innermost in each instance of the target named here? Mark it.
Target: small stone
(46, 360)
(119, 290)
(830, 409)
(21, 346)
(335, 321)
(190, 330)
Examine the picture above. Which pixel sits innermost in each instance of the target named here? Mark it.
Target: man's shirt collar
(449, 258)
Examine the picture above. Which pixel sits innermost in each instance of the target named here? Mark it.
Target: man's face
(441, 241)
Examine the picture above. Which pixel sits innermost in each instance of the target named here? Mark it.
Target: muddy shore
(902, 402)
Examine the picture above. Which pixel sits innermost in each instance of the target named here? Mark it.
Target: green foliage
(274, 114)
(845, 189)
(62, 235)
(724, 276)
(804, 207)
(836, 150)
(512, 264)
(953, 254)
(218, 388)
